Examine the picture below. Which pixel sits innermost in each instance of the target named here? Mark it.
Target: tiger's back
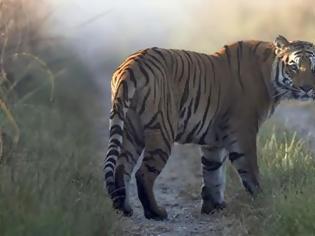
(189, 87)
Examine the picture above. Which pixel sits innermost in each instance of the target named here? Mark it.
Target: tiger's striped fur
(162, 96)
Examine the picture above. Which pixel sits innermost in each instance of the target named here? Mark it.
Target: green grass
(288, 168)
(286, 206)
(52, 183)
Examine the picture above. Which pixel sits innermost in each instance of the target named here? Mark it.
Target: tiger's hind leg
(213, 170)
(131, 150)
(156, 153)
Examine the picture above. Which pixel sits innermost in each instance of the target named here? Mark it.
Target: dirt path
(178, 190)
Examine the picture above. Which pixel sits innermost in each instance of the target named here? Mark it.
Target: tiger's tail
(120, 104)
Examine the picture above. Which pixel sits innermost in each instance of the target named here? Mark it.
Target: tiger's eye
(293, 67)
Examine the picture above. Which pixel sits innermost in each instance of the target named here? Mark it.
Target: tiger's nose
(306, 88)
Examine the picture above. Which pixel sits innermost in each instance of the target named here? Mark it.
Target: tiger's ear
(280, 43)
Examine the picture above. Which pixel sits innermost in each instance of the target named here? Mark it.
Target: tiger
(217, 101)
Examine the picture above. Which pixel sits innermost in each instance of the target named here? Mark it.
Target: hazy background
(104, 32)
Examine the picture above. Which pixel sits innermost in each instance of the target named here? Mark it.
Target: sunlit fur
(218, 101)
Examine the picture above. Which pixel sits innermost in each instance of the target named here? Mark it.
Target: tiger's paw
(157, 214)
(209, 207)
(125, 212)
(123, 208)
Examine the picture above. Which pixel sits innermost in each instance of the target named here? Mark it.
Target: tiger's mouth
(287, 92)
(303, 95)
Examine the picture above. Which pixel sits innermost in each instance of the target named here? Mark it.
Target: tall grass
(288, 168)
(51, 180)
(286, 205)
(51, 184)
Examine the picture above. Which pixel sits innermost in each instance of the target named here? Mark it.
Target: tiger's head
(294, 69)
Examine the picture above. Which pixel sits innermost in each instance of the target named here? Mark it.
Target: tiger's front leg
(213, 170)
(243, 156)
